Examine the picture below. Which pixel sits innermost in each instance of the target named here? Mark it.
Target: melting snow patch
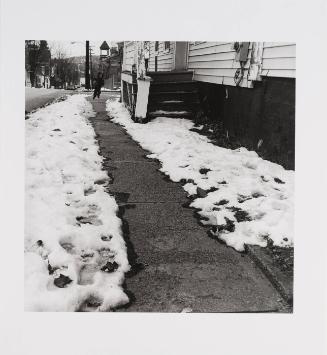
(75, 255)
(245, 198)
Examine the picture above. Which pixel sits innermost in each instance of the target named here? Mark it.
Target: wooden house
(247, 88)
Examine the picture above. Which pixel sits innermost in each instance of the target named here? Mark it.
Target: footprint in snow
(39, 248)
(91, 261)
(89, 191)
(91, 304)
(91, 219)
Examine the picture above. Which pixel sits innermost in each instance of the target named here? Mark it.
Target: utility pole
(50, 72)
(87, 66)
(35, 59)
(91, 67)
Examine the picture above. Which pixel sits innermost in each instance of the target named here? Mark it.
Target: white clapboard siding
(222, 80)
(214, 62)
(218, 72)
(165, 58)
(129, 55)
(278, 59)
(277, 44)
(214, 56)
(279, 73)
(209, 49)
(279, 52)
(202, 45)
(278, 63)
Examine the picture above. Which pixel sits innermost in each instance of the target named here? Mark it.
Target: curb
(282, 281)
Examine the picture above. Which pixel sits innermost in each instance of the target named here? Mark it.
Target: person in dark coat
(99, 82)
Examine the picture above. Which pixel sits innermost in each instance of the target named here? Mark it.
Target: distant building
(27, 78)
(37, 64)
(110, 65)
(104, 50)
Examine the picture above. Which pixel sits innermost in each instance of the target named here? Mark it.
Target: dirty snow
(245, 198)
(71, 227)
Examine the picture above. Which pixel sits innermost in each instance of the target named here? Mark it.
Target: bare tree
(58, 50)
(37, 58)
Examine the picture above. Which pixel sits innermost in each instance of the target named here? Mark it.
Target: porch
(160, 94)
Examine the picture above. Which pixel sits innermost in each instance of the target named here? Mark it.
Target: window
(156, 46)
(167, 46)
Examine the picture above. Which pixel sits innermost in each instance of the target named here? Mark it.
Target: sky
(77, 47)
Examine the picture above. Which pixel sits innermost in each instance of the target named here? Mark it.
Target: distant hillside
(81, 59)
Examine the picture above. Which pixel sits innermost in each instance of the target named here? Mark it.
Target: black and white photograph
(159, 176)
(163, 182)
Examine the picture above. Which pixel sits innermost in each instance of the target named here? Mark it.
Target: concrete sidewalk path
(175, 265)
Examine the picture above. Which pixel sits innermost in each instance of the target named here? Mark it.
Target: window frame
(167, 49)
(156, 47)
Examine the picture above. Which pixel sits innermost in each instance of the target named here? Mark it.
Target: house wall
(128, 84)
(278, 59)
(214, 62)
(129, 56)
(266, 112)
(165, 58)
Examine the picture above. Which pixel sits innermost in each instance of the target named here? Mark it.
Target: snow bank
(245, 198)
(71, 228)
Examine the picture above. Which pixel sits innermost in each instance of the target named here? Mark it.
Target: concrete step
(172, 114)
(170, 86)
(172, 105)
(185, 96)
(171, 76)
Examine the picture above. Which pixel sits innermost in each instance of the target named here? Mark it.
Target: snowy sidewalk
(246, 199)
(175, 265)
(75, 256)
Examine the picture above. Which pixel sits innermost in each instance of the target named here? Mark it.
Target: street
(35, 98)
